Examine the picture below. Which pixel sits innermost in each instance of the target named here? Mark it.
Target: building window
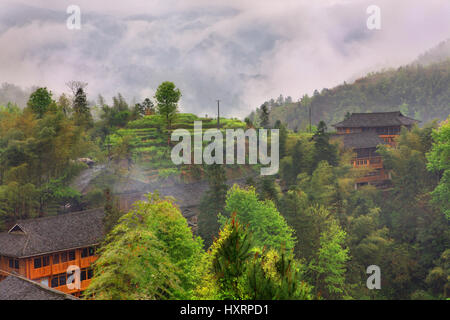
(37, 263)
(64, 257)
(55, 258)
(90, 273)
(83, 274)
(14, 263)
(71, 255)
(54, 282)
(84, 252)
(45, 261)
(62, 279)
(91, 251)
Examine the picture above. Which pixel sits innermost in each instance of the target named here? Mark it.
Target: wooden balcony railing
(389, 139)
(370, 162)
(65, 288)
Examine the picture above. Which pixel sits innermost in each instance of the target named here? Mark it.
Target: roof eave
(49, 252)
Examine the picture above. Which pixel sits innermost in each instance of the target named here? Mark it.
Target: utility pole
(218, 114)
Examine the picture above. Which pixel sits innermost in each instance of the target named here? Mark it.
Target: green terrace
(148, 138)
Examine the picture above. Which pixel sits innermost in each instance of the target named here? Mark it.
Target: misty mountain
(437, 54)
(10, 93)
(420, 90)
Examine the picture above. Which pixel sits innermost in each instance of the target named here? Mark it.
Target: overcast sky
(242, 52)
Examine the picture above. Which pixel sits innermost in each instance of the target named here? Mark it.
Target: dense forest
(313, 240)
(305, 233)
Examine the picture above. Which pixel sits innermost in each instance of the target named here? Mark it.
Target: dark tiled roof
(359, 140)
(55, 233)
(376, 119)
(15, 287)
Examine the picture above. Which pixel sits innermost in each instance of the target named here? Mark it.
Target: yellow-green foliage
(208, 288)
(150, 254)
(439, 160)
(265, 222)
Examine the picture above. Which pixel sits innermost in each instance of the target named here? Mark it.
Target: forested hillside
(12, 94)
(439, 53)
(55, 156)
(305, 233)
(421, 92)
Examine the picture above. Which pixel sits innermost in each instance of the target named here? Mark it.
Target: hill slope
(437, 54)
(147, 139)
(422, 92)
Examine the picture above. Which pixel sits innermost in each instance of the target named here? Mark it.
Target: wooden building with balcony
(42, 249)
(362, 133)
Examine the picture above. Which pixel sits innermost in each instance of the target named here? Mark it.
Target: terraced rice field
(149, 137)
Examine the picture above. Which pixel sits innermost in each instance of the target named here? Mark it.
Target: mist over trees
(421, 92)
(304, 233)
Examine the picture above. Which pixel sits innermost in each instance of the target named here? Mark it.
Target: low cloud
(240, 52)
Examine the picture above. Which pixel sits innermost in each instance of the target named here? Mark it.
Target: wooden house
(363, 132)
(42, 249)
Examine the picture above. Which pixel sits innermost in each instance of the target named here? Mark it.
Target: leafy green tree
(235, 269)
(81, 112)
(328, 267)
(264, 115)
(324, 150)
(167, 97)
(118, 114)
(299, 159)
(212, 203)
(17, 201)
(269, 228)
(321, 188)
(419, 230)
(150, 254)
(294, 208)
(230, 261)
(141, 109)
(65, 105)
(305, 101)
(438, 278)
(36, 162)
(148, 106)
(439, 161)
(216, 263)
(123, 152)
(268, 189)
(287, 171)
(40, 101)
(407, 163)
(248, 122)
(112, 212)
(275, 276)
(282, 138)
